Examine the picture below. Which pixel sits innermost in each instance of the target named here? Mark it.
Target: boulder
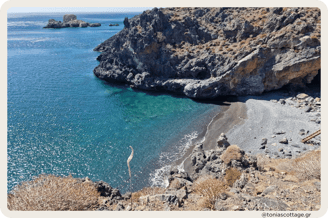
(178, 183)
(55, 24)
(307, 109)
(180, 194)
(119, 207)
(241, 182)
(317, 99)
(283, 141)
(270, 189)
(198, 161)
(198, 148)
(103, 208)
(83, 24)
(75, 23)
(103, 188)
(69, 17)
(222, 141)
(168, 198)
(264, 203)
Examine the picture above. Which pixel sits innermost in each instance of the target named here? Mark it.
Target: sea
(62, 120)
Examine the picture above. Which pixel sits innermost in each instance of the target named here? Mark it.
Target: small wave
(32, 32)
(30, 39)
(159, 177)
(26, 23)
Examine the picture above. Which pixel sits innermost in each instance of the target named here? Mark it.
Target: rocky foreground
(223, 179)
(210, 52)
(69, 20)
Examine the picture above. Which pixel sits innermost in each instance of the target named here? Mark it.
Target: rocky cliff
(210, 52)
(69, 20)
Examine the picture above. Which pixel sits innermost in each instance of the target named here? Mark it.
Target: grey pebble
(283, 141)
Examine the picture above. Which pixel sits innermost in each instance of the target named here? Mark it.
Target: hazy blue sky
(76, 9)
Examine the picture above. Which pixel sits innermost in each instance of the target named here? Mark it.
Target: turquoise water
(63, 120)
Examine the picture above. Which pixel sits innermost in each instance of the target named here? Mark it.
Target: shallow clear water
(62, 119)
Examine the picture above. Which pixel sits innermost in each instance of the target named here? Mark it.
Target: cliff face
(209, 52)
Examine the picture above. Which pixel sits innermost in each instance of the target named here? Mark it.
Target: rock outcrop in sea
(70, 20)
(211, 52)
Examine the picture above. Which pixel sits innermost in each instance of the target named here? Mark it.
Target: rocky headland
(210, 52)
(70, 20)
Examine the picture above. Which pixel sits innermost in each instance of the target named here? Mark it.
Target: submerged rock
(94, 24)
(211, 52)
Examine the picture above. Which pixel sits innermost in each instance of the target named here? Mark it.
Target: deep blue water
(63, 120)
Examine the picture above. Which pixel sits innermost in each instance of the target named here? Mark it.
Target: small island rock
(69, 20)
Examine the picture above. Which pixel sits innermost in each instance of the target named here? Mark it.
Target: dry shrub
(264, 162)
(248, 40)
(139, 29)
(314, 37)
(305, 167)
(152, 48)
(262, 35)
(49, 192)
(232, 174)
(231, 153)
(210, 189)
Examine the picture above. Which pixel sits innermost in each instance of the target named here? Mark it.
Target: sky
(75, 9)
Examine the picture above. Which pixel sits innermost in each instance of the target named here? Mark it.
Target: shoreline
(249, 119)
(222, 122)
